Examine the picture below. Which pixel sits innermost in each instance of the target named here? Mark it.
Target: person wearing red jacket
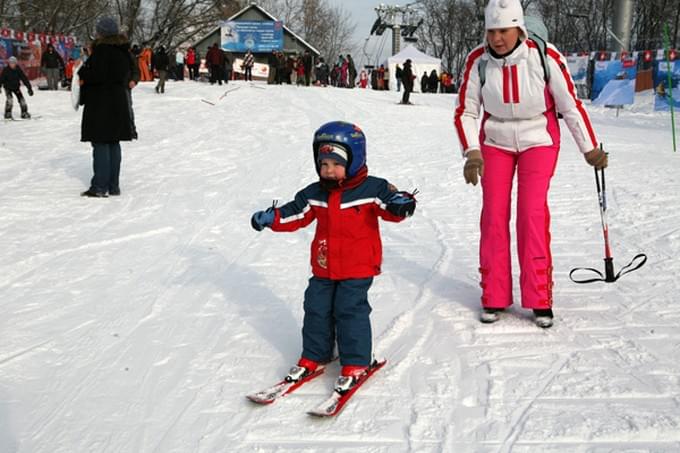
(346, 252)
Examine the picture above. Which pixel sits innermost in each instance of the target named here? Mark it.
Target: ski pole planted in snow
(609, 276)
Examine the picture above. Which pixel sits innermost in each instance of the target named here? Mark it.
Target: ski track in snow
(138, 323)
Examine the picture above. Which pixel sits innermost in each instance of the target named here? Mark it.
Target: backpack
(538, 33)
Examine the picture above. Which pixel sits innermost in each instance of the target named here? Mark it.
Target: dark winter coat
(347, 239)
(160, 60)
(106, 75)
(433, 84)
(10, 79)
(407, 77)
(214, 57)
(307, 62)
(424, 83)
(51, 60)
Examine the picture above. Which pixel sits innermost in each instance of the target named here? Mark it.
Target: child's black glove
(262, 219)
(402, 204)
(30, 91)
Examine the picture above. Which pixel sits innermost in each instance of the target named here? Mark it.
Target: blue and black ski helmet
(347, 135)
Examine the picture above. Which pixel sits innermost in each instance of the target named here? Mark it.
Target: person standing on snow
(307, 61)
(10, 79)
(160, 63)
(179, 64)
(191, 62)
(398, 73)
(407, 81)
(346, 250)
(105, 80)
(424, 83)
(519, 133)
(351, 72)
(51, 63)
(214, 59)
(247, 66)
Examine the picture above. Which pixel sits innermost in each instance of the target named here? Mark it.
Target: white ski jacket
(519, 105)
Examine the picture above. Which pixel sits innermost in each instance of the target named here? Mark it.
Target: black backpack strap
(481, 67)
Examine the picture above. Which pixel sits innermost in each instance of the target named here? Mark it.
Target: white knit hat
(504, 14)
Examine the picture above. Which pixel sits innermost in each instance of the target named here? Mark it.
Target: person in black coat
(106, 78)
(407, 81)
(433, 84)
(425, 83)
(160, 62)
(52, 64)
(307, 61)
(10, 78)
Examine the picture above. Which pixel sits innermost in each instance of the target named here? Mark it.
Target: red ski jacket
(347, 242)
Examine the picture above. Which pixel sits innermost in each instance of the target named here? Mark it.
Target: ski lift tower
(403, 20)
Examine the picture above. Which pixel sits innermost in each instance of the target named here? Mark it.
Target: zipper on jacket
(511, 91)
(334, 200)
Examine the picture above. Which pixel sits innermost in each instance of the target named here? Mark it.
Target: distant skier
(346, 252)
(519, 133)
(10, 79)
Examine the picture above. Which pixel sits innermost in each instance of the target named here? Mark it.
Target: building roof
(415, 55)
(266, 13)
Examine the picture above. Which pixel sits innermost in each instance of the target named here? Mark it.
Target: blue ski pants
(337, 307)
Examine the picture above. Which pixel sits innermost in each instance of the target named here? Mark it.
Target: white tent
(420, 63)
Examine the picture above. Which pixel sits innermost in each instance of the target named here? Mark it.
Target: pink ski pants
(535, 167)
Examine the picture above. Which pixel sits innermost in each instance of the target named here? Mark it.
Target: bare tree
(170, 22)
(51, 16)
(327, 28)
(450, 29)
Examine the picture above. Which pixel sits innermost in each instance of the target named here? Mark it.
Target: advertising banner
(662, 98)
(253, 35)
(578, 67)
(259, 69)
(27, 47)
(615, 70)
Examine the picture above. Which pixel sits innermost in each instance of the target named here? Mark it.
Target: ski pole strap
(636, 263)
(633, 265)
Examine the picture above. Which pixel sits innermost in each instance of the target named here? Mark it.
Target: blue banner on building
(253, 35)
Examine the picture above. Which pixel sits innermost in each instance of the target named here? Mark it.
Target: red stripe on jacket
(570, 86)
(515, 85)
(461, 96)
(506, 85)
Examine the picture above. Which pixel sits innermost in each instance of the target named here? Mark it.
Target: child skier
(346, 252)
(10, 78)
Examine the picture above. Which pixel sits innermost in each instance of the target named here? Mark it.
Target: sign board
(608, 71)
(254, 35)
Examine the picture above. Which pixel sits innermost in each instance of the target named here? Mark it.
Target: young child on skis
(346, 252)
(10, 79)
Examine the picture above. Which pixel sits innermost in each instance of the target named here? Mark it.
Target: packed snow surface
(139, 323)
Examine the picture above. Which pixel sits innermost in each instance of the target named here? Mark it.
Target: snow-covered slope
(138, 323)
